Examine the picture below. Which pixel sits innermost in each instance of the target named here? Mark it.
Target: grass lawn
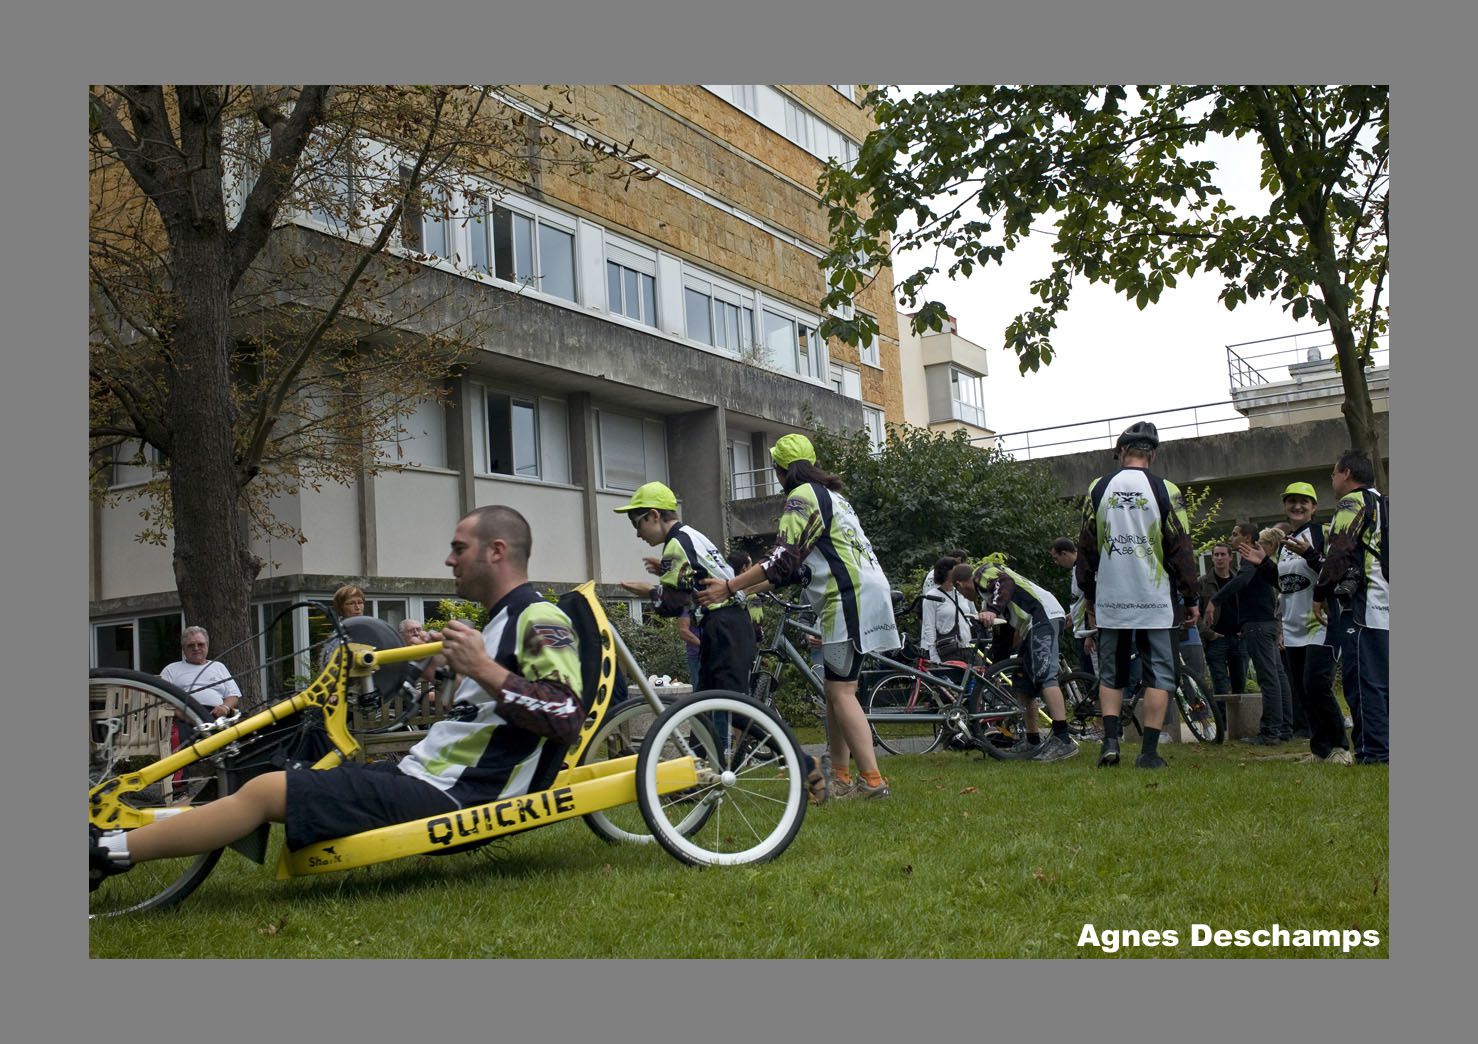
(969, 858)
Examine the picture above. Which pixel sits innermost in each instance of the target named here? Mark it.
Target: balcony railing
(752, 484)
(1186, 422)
(1264, 364)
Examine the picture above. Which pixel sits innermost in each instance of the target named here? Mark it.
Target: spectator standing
(1255, 589)
(1065, 553)
(1307, 643)
(1134, 556)
(1221, 628)
(1356, 572)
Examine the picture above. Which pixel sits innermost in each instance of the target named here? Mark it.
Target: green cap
(1300, 489)
(791, 448)
(652, 495)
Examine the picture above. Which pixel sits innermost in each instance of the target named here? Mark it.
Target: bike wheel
(762, 686)
(895, 695)
(137, 719)
(756, 787)
(621, 734)
(1080, 700)
(1202, 714)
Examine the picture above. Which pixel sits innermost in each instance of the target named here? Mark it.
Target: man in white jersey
(1134, 555)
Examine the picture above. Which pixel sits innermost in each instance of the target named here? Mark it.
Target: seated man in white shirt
(208, 681)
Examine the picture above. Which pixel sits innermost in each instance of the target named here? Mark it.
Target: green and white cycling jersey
(1354, 538)
(1132, 556)
(819, 531)
(1296, 579)
(1079, 610)
(1002, 588)
(688, 558)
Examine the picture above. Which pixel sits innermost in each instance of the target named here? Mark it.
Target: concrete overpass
(1246, 469)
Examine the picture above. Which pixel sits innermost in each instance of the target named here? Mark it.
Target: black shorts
(351, 799)
(726, 649)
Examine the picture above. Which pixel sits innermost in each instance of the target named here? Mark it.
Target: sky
(1113, 360)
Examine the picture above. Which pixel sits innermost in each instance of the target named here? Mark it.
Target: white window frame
(551, 449)
(405, 449)
(819, 372)
(654, 448)
(639, 260)
(869, 354)
(875, 424)
(718, 291)
(790, 119)
(478, 221)
(964, 410)
(846, 380)
(123, 473)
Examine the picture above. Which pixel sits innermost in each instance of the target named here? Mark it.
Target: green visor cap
(652, 495)
(1300, 489)
(791, 448)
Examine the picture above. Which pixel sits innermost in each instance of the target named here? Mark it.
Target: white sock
(117, 847)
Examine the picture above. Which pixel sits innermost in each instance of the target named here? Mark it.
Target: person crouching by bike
(1001, 591)
(819, 532)
(521, 709)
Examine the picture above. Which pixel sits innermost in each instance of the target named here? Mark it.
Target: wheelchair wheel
(621, 734)
(755, 786)
(136, 719)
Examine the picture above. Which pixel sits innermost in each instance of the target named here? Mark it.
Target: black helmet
(1139, 431)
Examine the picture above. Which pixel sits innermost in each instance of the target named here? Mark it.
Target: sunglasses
(636, 518)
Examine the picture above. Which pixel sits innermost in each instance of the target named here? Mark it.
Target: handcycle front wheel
(755, 785)
(137, 719)
(621, 734)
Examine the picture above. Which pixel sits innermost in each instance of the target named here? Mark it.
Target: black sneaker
(1055, 748)
(100, 863)
(1109, 755)
(1150, 761)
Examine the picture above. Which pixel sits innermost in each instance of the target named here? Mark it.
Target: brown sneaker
(843, 789)
(863, 790)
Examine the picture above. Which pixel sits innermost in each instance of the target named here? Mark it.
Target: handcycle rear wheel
(755, 786)
(136, 719)
(898, 694)
(621, 734)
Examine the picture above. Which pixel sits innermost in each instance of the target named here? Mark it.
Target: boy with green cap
(726, 635)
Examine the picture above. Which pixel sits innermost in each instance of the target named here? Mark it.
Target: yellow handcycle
(717, 778)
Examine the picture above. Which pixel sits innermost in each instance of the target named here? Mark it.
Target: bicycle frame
(576, 791)
(782, 645)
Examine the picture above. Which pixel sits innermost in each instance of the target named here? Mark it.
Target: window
(869, 354)
(717, 316)
(520, 248)
(133, 462)
(146, 643)
(846, 90)
(742, 95)
(872, 420)
(967, 397)
(633, 451)
(794, 345)
(788, 117)
(846, 380)
(742, 484)
(326, 190)
(423, 442)
(631, 293)
(527, 436)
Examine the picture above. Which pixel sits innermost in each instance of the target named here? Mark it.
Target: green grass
(968, 859)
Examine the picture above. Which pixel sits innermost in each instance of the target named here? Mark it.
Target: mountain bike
(911, 708)
(1203, 715)
(155, 752)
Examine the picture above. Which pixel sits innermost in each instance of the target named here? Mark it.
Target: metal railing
(1246, 370)
(1185, 422)
(753, 484)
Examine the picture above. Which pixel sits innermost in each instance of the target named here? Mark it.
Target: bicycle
(1203, 715)
(716, 808)
(910, 710)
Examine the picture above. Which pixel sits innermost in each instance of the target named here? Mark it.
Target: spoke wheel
(755, 786)
(621, 734)
(137, 719)
(899, 694)
(1080, 698)
(1202, 714)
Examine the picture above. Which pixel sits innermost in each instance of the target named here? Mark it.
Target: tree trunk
(213, 564)
(1358, 412)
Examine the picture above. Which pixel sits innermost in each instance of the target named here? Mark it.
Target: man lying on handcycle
(520, 709)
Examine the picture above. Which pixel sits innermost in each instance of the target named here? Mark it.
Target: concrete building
(664, 328)
(943, 387)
